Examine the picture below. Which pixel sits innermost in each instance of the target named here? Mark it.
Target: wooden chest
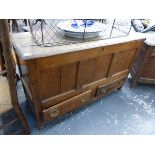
(61, 83)
(143, 70)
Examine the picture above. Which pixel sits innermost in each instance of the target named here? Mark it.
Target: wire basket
(56, 32)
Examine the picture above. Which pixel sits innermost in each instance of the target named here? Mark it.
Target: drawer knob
(83, 100)
(54, 113)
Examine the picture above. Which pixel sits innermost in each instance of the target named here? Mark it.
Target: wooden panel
(68, 77)
(86, 72)
(50, 82)
(121, 61)
(57, 80)
(92, 70)
(67, 106)
(102, 66)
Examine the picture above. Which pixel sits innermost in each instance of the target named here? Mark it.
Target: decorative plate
(76, 28)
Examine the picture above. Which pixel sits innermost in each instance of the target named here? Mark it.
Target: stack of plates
(76, 28)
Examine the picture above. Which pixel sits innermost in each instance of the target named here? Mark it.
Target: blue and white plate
(76, 28)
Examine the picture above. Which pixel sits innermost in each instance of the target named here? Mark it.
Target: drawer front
(104, 89)
(148, 71)
(66, 106)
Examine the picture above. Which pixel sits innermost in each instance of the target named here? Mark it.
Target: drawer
(148, 71)
(66, 106)
(104, 89)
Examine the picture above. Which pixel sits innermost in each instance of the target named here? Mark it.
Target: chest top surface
(26, 47)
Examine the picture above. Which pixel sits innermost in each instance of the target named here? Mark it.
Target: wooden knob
(54, 113)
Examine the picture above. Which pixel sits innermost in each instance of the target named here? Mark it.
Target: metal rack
(49, 32)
